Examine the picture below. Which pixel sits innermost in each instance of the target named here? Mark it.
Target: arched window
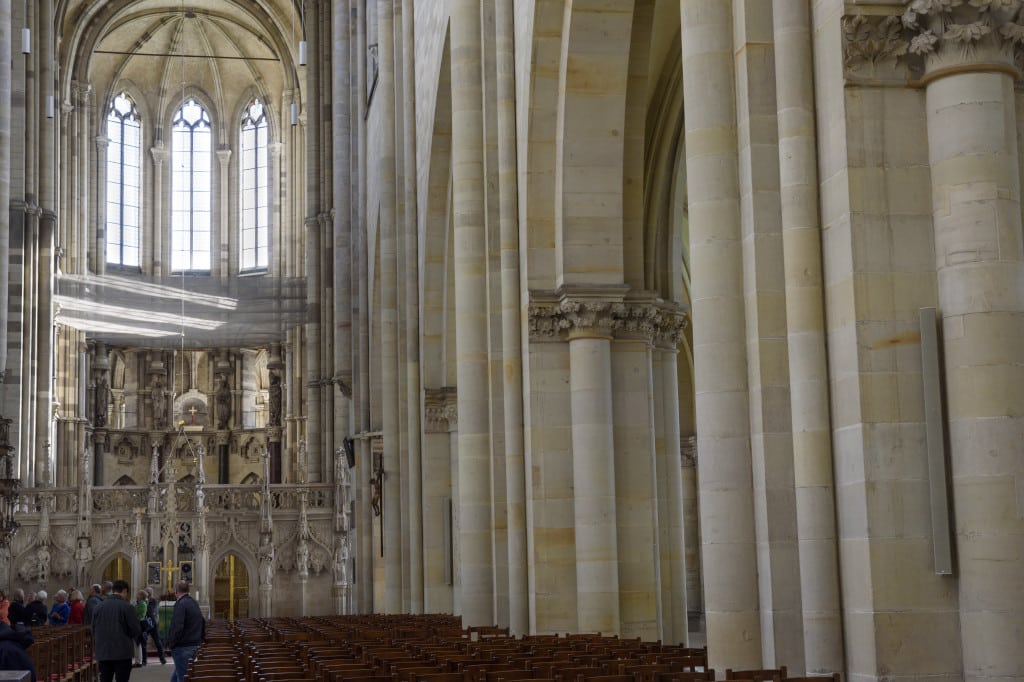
(255, 203)
(191, 188)
(124, 159)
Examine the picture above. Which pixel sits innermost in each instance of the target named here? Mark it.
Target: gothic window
(255, 204)
(191, 188)
(124, 159)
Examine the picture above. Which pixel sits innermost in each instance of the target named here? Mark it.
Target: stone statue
(223, 399)
(275, 400)
(266, 558)
(159, 403)
(86, 468)
(102, 402)
(341, 564)
(302, 557)
(43, 561)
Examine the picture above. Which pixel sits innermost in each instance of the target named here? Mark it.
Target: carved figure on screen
(223, 400)
(159, 403)
(274, 418)
(266, 558)
(43, 561)
(102, 402)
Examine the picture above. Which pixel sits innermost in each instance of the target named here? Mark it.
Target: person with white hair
(37, 609)
(17, 613)
(92, 603)
(60, 612)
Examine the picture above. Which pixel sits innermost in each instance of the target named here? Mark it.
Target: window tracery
(191, 188)
(124, 196)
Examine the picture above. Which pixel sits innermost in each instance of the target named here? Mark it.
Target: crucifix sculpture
(192, 410)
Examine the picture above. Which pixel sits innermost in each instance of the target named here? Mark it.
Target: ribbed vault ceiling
(223, 52)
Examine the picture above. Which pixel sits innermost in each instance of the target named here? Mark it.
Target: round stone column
(728, 535)
(593, 463)
(973, 152)
(475, 542)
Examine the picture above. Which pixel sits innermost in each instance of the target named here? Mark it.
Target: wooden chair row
(435, 648)
(63, 654)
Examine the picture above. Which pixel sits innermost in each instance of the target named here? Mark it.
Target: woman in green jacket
(141, 609)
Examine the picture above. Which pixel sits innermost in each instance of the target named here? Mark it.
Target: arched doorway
(119, 568)
(231, 589)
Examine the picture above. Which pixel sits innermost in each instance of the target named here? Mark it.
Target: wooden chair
(681, 676)
(758, 675)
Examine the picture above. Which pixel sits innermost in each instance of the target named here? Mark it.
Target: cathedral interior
(682, 320)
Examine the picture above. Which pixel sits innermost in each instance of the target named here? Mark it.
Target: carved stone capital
(688, 451)
(440, 409)
(934, 37)
(872, 43)
(672, 322)
(554, 316)
(957, 33)
(81, 92)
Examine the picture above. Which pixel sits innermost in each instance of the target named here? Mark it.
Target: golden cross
(171, 569)
(192, 410)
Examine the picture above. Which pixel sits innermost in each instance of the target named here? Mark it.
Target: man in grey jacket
(115, 629)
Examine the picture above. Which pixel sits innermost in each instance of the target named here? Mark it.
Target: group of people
(120, 627)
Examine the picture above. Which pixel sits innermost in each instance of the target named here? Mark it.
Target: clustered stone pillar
(474, 460)
(511, 330)
(725, 476)
(974, 156)
(5, 178)
(392, 512)
(411, 313)
(805, 323)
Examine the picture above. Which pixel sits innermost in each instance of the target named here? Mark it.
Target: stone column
(511, 327)
(5, 181)
(223, 461)
(805, 323)
(222, 265)
(437, 492)
(392, 514)
(723, 418)
(590, 321)
(315, 278)
(637, 446)
(471, 342)
(47, 170)
(99, 264)
(972, 144)
(44, 340)
(670, 323)
(691, 525)
(412, 311)
(80, 194)
(99, 445)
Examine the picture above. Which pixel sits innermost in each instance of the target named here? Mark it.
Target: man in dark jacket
(188, 630)
(37, 609)
(13, 642)
(92, 603)
(115, 629)
(18, 612)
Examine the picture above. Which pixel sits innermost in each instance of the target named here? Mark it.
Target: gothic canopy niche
(223, 54)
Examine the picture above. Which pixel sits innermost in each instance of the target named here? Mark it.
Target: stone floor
(154, 672)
